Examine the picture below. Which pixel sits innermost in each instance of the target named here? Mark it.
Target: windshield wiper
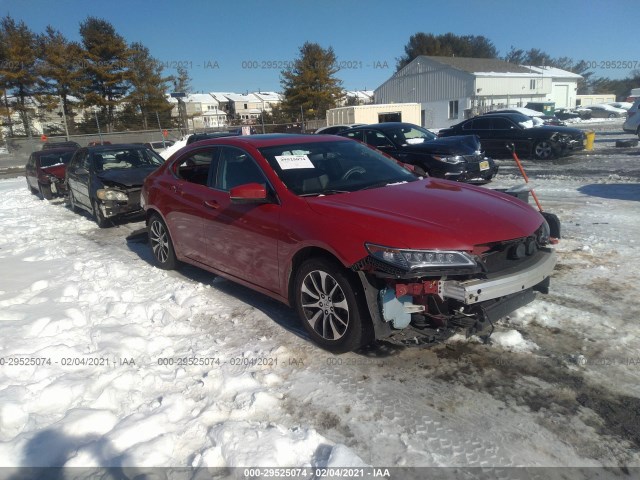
(324, 192)
(376, 185)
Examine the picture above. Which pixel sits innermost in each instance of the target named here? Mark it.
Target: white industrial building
(450, 89)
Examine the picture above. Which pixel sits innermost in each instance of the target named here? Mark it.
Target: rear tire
(45, 191)
(330, 306)
(72, 202)
(161, 244)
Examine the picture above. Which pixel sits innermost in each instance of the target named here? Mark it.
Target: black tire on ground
(161, 244)
(632, 142)
(331, 306)
(612, 115)
(33, 190)
(543, 150)
(45, 191)
(98, 216)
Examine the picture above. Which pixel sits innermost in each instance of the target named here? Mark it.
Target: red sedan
(359, 246)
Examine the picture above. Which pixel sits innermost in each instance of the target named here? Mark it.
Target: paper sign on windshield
(290, 162)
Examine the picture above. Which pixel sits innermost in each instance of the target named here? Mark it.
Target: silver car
(605, 111)
(632, 123)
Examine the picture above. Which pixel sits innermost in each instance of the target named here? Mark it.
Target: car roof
(270, 140)
(115, 146)
(50, 151)
(515, 116)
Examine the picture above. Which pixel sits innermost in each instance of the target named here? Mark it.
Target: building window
(245, 106)
(532, 84)
(453, 109)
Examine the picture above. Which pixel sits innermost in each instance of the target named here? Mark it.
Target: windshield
(52, 159)
(409, 135)
(126, 158)
(333, 167)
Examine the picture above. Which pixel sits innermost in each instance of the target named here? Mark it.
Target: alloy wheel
(159, 241)
(543, 150)
(324, 305)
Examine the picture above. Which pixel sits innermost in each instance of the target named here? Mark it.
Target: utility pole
(98, 124)
(64, 118)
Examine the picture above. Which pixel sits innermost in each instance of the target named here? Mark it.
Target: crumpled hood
(430, 213)
(127, 177)
(458, 145)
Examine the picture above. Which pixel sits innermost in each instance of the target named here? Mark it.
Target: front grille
(504, 255)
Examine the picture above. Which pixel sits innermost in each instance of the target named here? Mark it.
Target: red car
(359, 246)
(45, 171)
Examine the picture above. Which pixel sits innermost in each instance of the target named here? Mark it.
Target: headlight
(455, 159)
(420, 259)
(543, 233)
(106, 194)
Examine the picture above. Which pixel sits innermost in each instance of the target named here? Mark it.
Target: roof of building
(477, 65)
(553, 72)
(361, 94)
(238, 97)
(268, 96)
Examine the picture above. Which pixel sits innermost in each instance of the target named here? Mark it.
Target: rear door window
(195, 167)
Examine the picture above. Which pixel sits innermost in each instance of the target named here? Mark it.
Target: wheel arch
(297, 260)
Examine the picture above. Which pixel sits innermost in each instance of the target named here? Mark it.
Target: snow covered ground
(108, 361)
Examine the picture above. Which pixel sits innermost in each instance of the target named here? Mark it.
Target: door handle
(211, 204)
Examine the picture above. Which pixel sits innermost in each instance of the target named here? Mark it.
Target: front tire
(98, 216)
(161, 245)
(330, 306)
(543, 150)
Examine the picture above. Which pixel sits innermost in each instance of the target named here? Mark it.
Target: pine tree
(107, 56)
(310, 84)
(181, 81)
(446, 45)
(148, 87)
(61, 71)
(18, 71)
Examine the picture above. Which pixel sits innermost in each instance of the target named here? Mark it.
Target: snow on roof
(554, 72)
(239, 97)
(269, 96)
(504, 74)
(200, 98)
(362, 94)
(221, 96)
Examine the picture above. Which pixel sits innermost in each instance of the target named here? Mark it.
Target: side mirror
(249, 193)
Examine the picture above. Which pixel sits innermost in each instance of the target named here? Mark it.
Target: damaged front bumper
(122, 208)
(502, 284)
(473, 304)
